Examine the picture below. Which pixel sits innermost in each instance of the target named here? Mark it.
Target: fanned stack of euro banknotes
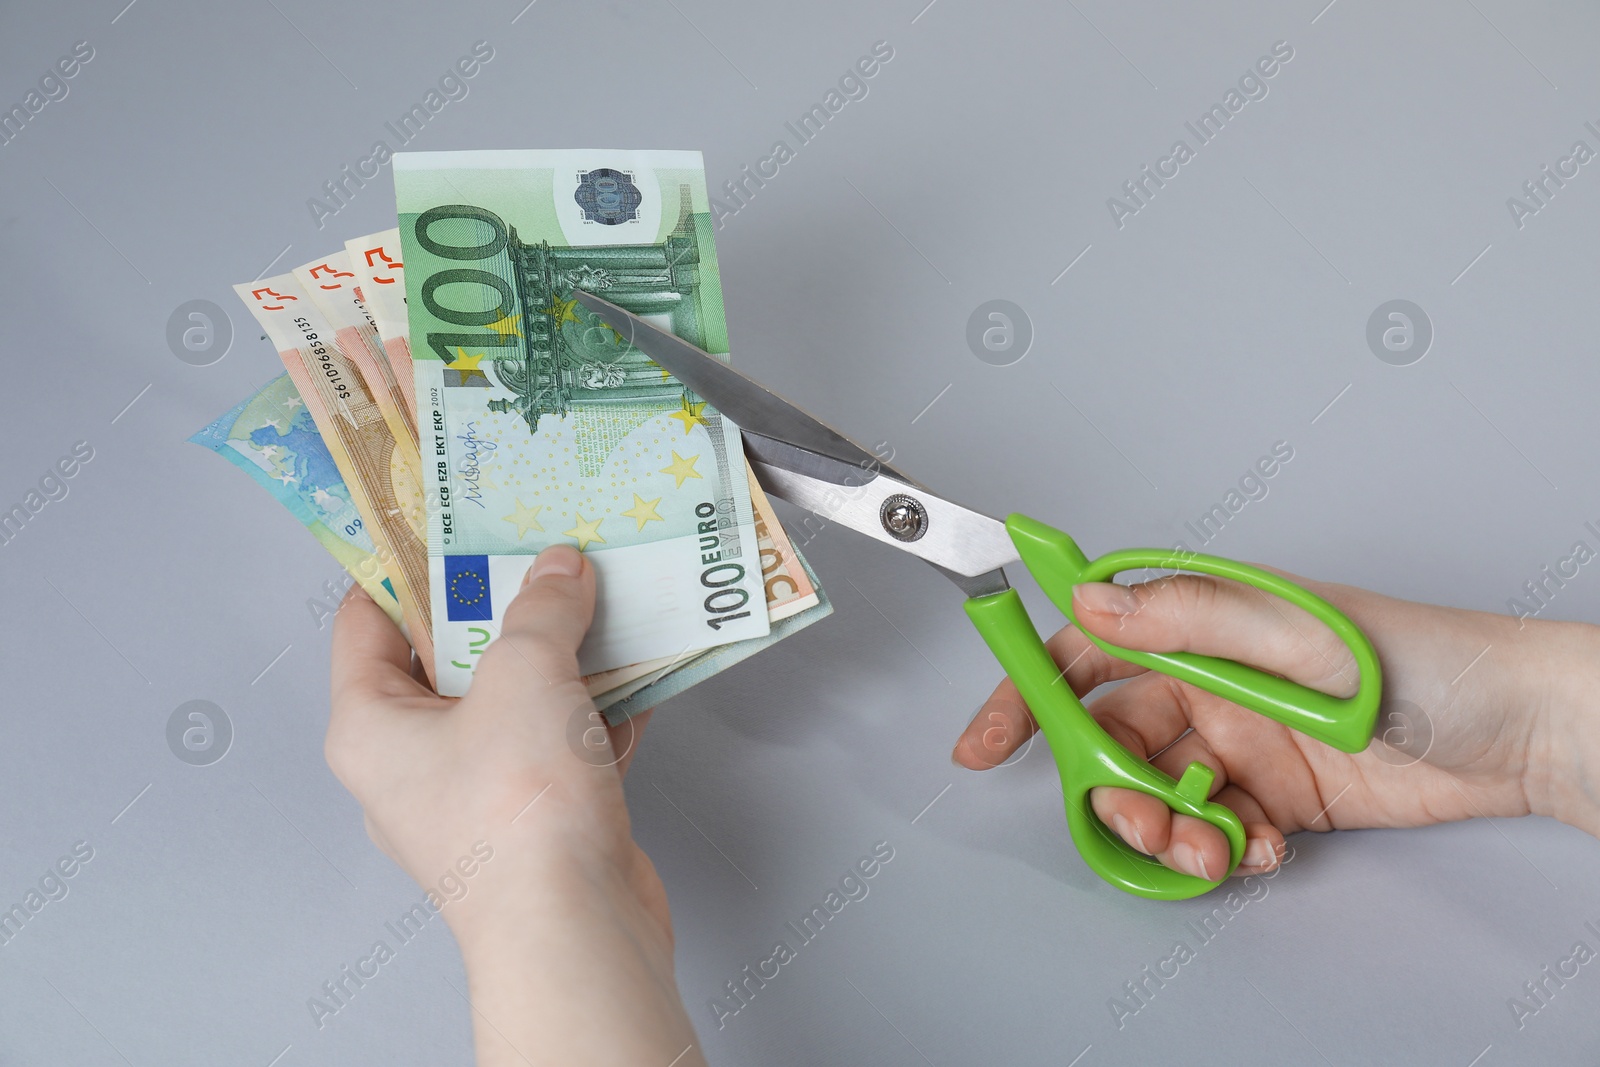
(449, 410)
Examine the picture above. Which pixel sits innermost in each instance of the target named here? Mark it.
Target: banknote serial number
(324, 358)
(721, 576)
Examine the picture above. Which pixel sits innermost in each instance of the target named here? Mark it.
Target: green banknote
(271, 437)
(540, 424)
(629, 700)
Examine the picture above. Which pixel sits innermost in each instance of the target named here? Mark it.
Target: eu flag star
(682, 469)
(506, 325)
(560, 310)
(691, 414)
(585, 532)
(525, 518)
(466, 580)
(467, 371)
(644, 511)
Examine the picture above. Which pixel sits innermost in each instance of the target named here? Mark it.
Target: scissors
(802, 460)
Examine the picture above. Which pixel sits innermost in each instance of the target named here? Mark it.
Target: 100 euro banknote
(539, 424)
(642, 695)
(795, 600)
(788, 589)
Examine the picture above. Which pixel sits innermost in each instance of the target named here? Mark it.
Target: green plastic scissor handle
(1088, 757)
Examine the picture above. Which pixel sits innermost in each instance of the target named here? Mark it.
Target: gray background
(1224, 316)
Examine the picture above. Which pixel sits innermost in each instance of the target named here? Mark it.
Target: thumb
(546, 621)
(1217, 617)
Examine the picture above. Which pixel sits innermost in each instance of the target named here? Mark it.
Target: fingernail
(562, 561)
(1106, 597)
(1187, 859)
(1128, 832)
(1258, 852)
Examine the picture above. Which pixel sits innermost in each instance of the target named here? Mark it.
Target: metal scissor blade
(746, 402)
(969, 547)
(806, 462)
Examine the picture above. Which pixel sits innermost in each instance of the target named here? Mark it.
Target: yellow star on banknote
(681, 469)
(644, 510)
(525, 518)
(585, 532)
(691, 414)
(467, 367)
(561, 310)
(506, 326)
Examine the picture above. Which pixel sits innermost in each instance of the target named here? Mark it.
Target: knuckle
(1173, 609)
(1309, 652)
(1196, 599)
(1125, 735)
(523, 613)
(550, 599)
(529, 649)
(1332, 670)
(1080, 661)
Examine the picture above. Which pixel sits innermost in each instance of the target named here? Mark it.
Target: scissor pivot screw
(903, 517)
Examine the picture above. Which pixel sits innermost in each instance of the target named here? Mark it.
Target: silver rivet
(903, 517)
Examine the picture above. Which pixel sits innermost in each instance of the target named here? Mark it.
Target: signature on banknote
(473, 449)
